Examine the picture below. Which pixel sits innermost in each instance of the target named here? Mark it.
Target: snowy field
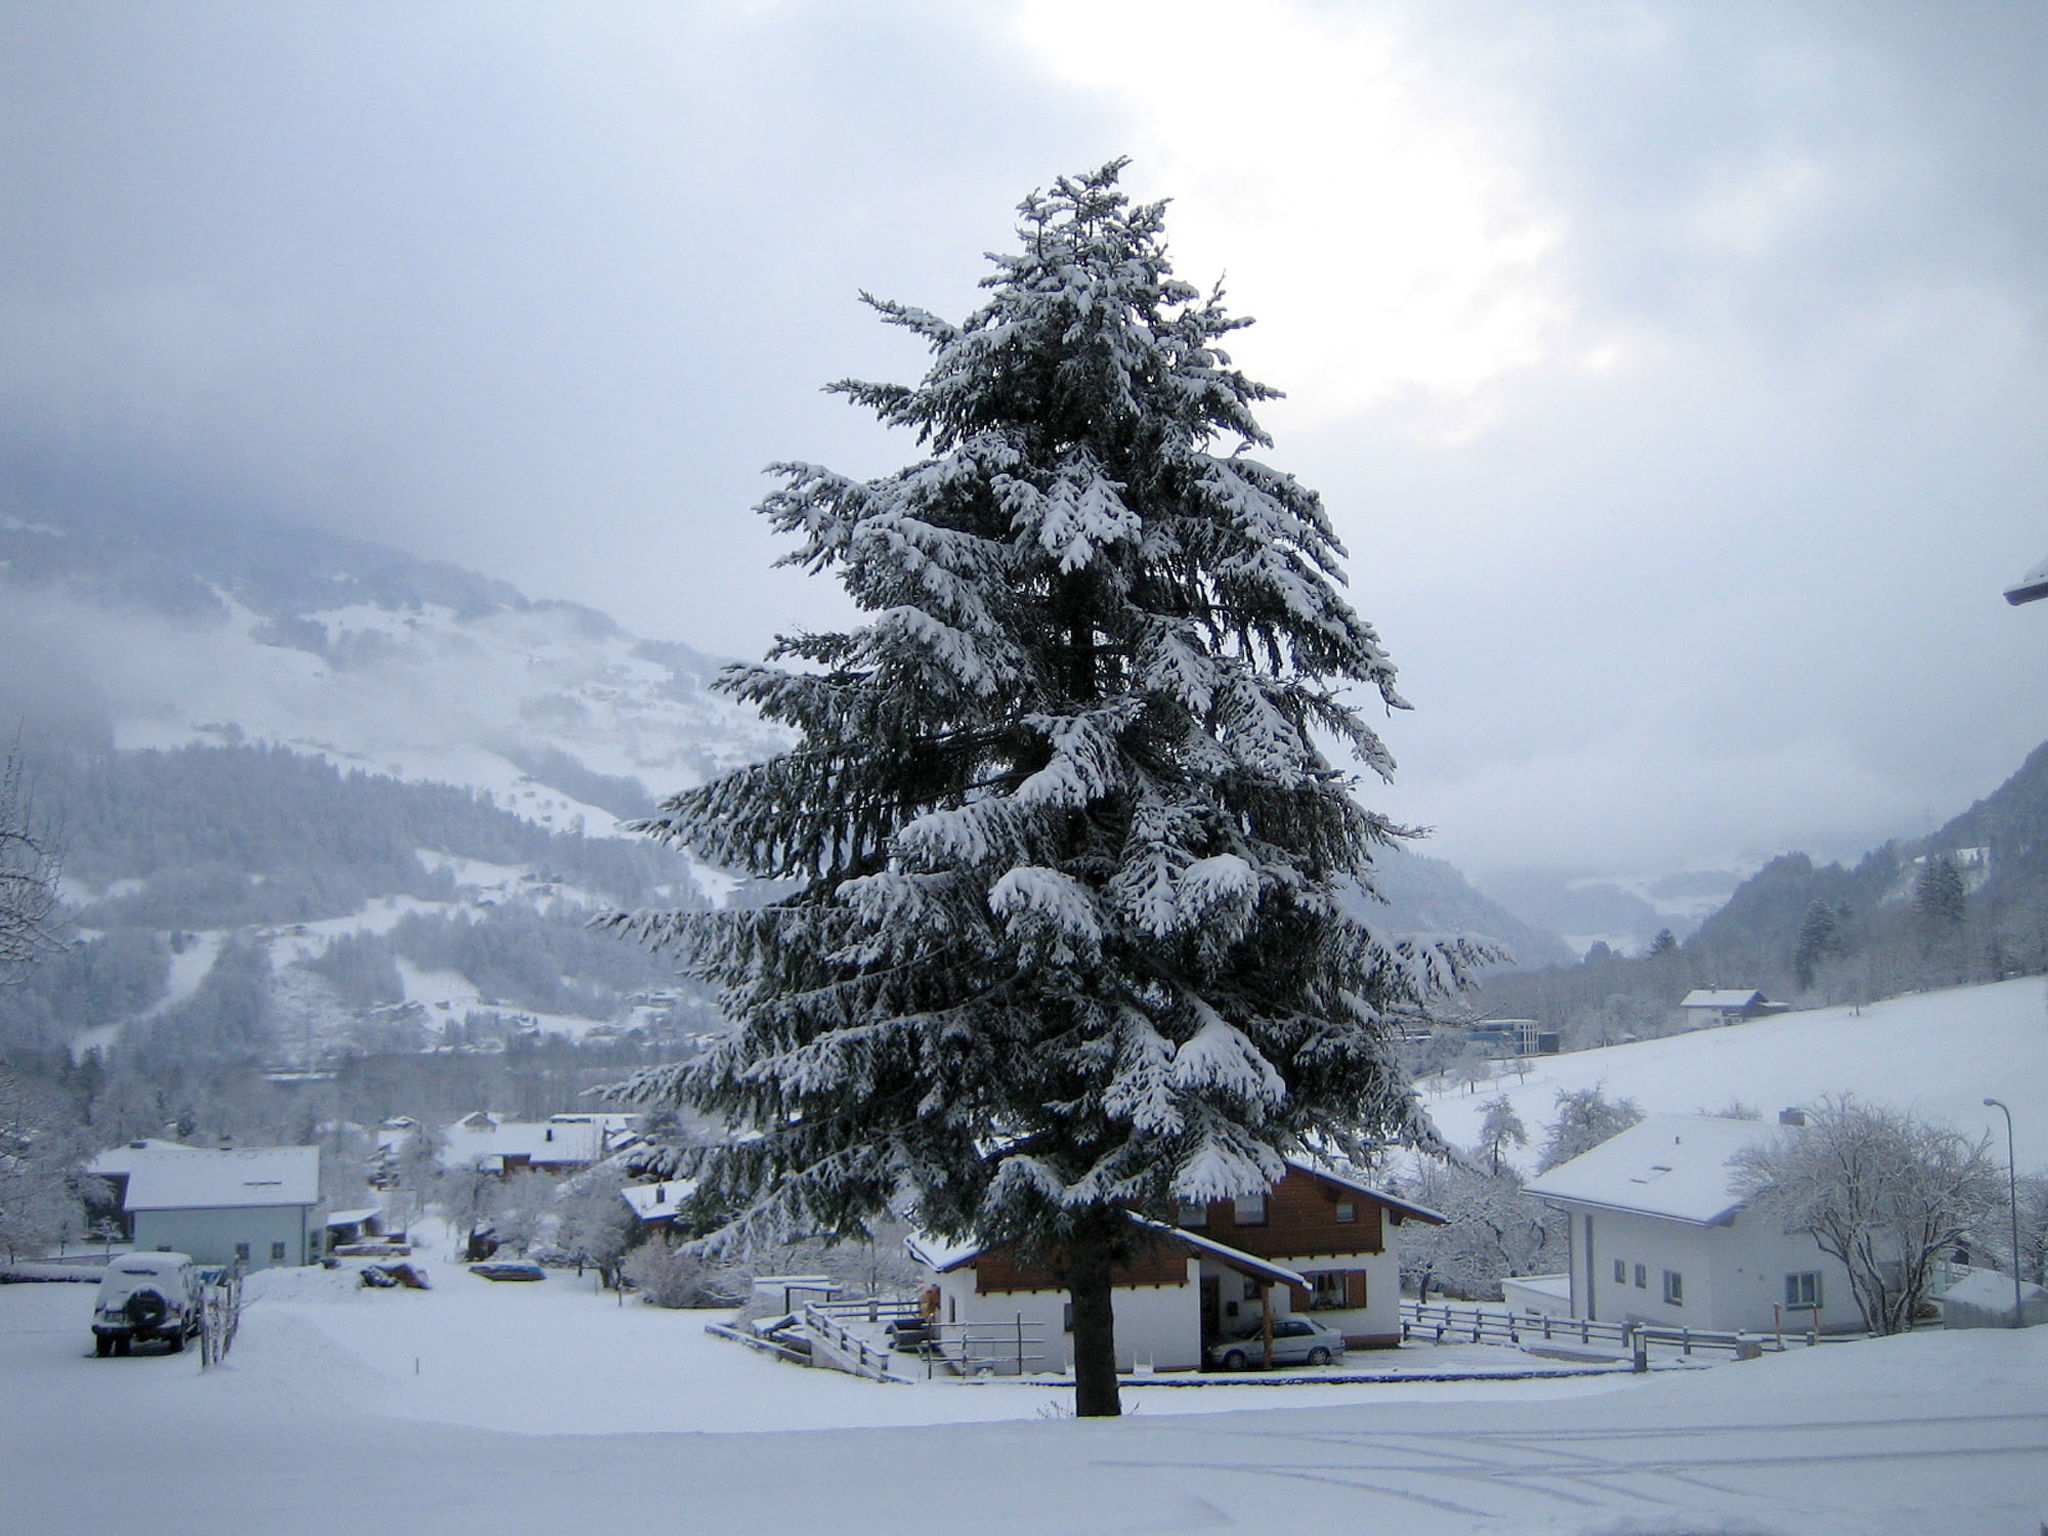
(511, 1408)
(1938, 1054)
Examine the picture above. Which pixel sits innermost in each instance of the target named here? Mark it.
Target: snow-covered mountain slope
(1937, 1054)
(152, 632)
(551, 708)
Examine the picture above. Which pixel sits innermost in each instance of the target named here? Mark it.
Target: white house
(1708, 1006)
(1316, 1242)
(256, 1206)
(1660, 1235)
(560, 1144)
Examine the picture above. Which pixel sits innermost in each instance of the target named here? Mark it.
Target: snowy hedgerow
(1062, 818)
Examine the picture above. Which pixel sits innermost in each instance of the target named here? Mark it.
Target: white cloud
(1360, 212)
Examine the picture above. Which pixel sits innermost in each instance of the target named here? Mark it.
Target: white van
(146, 1296)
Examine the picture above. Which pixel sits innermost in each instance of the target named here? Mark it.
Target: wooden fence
(220, 1314)
(850, 1350)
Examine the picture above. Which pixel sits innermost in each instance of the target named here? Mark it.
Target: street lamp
(2012, 1185)
(2030, 588)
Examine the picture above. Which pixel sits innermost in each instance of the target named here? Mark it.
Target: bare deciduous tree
(28, 875)
(1878, 1189)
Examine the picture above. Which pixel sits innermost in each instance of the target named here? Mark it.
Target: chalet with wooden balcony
(1316, 1242)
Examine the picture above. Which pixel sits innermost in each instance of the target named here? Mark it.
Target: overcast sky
(1674, 373)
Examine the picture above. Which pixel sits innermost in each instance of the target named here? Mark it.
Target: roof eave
(1407, 1208)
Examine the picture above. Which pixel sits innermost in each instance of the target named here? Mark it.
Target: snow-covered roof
(942, 1256)
(117, 1162)
(192, 1179)
(1408, 1208)
(1988, 1290)
(1668, 1165)
(660, 1200)
(1724, 997)
(485, 1140)
(353, 1218)
(938, 1254)
(1236, 1258)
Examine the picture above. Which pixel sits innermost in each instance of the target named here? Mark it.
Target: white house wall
(1732, 1275)
(210, 1236)
(1158, 1326)
(1378, 1322)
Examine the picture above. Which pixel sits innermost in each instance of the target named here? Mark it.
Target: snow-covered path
(313, 1426)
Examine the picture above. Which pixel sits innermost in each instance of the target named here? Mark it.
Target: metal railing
(1441, 1323)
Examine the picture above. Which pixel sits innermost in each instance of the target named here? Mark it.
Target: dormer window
(1249, 1210)
(1193, 1213)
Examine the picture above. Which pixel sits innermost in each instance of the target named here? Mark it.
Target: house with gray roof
(256, 1206)
(1705, 1007)
(1661, 1235)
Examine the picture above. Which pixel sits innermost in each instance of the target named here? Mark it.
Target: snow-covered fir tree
(1066, 832)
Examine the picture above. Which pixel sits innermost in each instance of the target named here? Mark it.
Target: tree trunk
(1090, 1263)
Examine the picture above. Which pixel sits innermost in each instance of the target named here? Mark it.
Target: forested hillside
(1967, 904)
(210, 851)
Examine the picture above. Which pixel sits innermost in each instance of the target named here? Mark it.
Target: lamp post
(2012, 1186)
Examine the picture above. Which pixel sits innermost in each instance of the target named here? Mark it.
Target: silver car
(1296, 1341)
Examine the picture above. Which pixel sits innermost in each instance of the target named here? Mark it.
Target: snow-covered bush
(674, 1277)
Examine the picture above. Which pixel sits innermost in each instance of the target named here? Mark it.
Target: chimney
(1793, 1116)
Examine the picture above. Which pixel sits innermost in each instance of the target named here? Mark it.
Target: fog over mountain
(374, 796)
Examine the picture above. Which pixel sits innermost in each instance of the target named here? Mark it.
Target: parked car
(1296, 1341)
(144, 1298)
(509, 1269)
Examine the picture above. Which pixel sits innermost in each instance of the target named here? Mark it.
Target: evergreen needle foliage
(1065, 938)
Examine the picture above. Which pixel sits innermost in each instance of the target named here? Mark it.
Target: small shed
(789, 1293)
(1983, 1299)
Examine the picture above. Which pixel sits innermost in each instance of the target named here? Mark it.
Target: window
(1674, 1288)
(1347, 1211)
(1067, 1318)
(277, 1253)
(1249, 1210)
(1802, 1292)
(241, 1253)
(1251, 1289)
(1621, 1272)
(1642, 1277)
(1326, 1291)
(1193, 1213)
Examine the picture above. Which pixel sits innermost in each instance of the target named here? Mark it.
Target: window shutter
(1354, 1288)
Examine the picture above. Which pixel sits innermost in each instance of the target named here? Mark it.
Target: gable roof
(942, 1258)
(1674, 1166)
(191, 1179)
(660, 1200)
(119, 1162)
(484, 1140)
(1408, 1209)
(1724, 997)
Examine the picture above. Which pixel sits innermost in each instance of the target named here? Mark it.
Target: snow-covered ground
(509, 1408)
(1938, 1054)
